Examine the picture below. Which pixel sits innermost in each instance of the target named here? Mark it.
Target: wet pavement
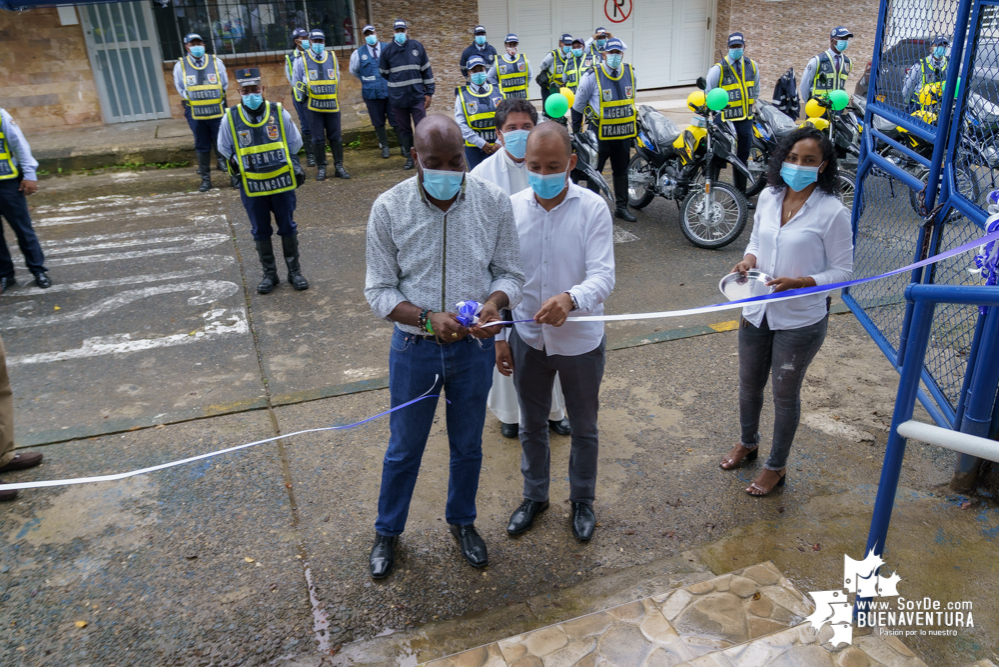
(153, 345)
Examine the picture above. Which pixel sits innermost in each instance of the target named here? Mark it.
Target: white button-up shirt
(817, 243)
(568, 249)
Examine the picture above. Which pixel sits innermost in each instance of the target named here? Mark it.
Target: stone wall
(45, 77)
(785, 33)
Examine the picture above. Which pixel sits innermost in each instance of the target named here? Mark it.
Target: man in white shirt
(567, 251)
(507, 168)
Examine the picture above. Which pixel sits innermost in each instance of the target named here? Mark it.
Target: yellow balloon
(696, 99)
(813, 109)
(569, 95)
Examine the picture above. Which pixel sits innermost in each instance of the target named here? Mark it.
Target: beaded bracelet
(422, 323)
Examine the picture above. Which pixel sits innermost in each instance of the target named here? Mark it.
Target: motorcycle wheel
(722, 224)
(847, 185)
(758, 165)
(966, 181)
(640, 192)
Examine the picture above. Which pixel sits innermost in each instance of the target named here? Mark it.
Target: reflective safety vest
(575, 68)
(930, 74)
(289, 65)
(262, 151)
(203, 86)
(8, 169)
(739, 87)
(558, 76)
(323, 78)
(595, 53)
(512, 76)
(373, 84)
(480, 111)
(827, 77)
(617, 103)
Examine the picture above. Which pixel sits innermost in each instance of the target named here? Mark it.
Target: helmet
(929, 94)
(820, 124)
(813, 109)
(696, 100)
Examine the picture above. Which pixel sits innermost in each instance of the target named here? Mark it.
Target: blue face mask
(198, 51)
(305, 45)
(547, 186)
(601, 43)
(841, 45)
(798, 177)
(578, 53)
(566, 49)
(735, 54)
(939, 51)
(371, 40)
(441, 184)
(253, 100)
(478, 78)
(317, 47)
(614, 60)
(480, 39)
(515, 143)
(400, 38)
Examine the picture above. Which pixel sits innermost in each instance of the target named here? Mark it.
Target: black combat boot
(310, 159)
(319, 149)
(270, 280)
(290, 246)
(407, 145)
(220, 161)
(338, 169)
(383, 141)
(205, 171)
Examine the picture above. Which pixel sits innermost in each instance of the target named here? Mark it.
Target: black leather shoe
(583, 521)
(7, 282)
(510, 430)
(339, 171)
(385, 153)
(560, 427)
(321, 174)
(382, 557)
(752, 206)
(473, 548)
(523, 517)
(42, 280)
(625, 215)
(409, 163)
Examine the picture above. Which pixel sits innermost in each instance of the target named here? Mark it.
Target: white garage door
(669, 41)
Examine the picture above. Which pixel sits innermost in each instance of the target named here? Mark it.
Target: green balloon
(556, 105)
(838, 99)
(717, 99)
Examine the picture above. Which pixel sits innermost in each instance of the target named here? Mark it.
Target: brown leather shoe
(22, 460)
(8, 495)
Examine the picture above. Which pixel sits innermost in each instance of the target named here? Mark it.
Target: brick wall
(785, 33)
(444, 28)
(45, 78)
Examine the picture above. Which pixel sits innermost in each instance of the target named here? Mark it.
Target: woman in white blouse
(801, 233)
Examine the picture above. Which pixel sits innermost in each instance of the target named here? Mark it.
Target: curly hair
(507, 107)
(827, 178)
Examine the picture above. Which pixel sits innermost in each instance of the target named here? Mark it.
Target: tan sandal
(765, 492)
(734, 462)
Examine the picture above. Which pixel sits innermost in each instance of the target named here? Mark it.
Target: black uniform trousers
(303, 120)
(324, 126)
(379, 111)
(407, 118)
(619, 152)
(259, 210)
(744, 139)
(14, 209)
(206, 132)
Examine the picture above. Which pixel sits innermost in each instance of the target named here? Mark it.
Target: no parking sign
(618, 11)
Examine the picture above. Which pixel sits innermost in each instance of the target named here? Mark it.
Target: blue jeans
(464, 370)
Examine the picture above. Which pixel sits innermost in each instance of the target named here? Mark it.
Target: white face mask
(511, 51)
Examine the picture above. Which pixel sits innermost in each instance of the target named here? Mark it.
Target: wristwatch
(575, 304)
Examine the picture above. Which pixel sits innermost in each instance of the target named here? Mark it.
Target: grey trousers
(783, 355)
(6, 412)
(580, 375)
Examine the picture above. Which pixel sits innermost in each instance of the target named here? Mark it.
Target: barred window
(248, 29)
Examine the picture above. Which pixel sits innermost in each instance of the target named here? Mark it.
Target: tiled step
(753, 617)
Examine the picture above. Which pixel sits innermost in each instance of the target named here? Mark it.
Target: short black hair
(827, 178)
(507, 107)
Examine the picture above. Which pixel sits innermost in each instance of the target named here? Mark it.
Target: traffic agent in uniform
(608, 91)
(932, 69)
(374, 88)
(261, 144)
(480, 47)
(552, 75)
(827, 71)
(17, 180)
(511, 72)
(201, 81)
(577, 64)
(475, 111)
(317, 75)
(300, 37)
(406, 67)
(740, 78)
(595, 45)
